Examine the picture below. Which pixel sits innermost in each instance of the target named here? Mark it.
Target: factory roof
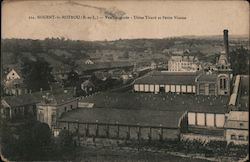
(125, 116)
(207, 78)
(164, 102)
(165, 77)
(59, 95)
(244, 93)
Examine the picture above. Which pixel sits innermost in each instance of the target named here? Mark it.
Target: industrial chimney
(226, 42)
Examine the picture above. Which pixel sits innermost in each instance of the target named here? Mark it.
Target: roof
(87, 83)
(16, 101)
(238, 116)
(125, 116)
(223, 59)
(183, 58)
(207, 78)
(59, 95)
(165, 77)
(164, 102)
(244, 93)
(104, 65)
(237, 120)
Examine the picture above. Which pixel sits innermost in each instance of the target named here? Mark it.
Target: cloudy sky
(201, 18)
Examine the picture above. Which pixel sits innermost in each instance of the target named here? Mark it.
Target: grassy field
(110, 155)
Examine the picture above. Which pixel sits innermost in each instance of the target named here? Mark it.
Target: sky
(201, 18)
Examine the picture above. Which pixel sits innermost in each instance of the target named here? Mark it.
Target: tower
(224, 69)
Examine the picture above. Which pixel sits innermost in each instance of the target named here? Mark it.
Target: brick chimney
(226, 42)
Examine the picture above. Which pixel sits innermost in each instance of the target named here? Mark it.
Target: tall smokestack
(226, 42)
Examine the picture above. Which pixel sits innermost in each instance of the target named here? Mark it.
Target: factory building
(199, 83)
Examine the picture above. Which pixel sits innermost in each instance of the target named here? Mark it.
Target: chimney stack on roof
(226, 42)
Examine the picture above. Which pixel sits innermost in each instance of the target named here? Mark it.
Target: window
(53, 118)
(223, 83)
(71, 107)
(233, 137)
(241, 124)
(65, 109)
(241, 137)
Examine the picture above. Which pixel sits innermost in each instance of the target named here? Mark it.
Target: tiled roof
(158, 77)
(166, 102)
(125, 116)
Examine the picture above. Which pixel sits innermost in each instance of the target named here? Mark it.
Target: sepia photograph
(124, 81)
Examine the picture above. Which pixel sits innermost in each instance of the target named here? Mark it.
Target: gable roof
(165, 77)
(125, 116)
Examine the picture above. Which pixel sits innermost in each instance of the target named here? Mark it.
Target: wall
(237, 133)
(167, 88)
(120, 131)
(49, 114)
(206, 119)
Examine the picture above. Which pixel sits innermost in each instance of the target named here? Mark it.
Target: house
(13, 107)
(237, 127)
(88, 61)
(13, 82)
(183, 64)
(54, 104)
(12, 75)
(88, 87)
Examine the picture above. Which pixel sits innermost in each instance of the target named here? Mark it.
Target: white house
(237, 127)
(54, 105)
(183, 64)
(88, 61)
(12, 75)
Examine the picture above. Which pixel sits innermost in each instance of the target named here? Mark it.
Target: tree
(31, 140)
(65, 140)
(37, 74)
(239, 59)
(73, 79)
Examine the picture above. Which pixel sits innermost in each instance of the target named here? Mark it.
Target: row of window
(166, 88)
(240, 137)
(206, 119)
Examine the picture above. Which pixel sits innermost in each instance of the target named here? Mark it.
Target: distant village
(182, 98)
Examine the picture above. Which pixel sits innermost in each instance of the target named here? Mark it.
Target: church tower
(224, 69)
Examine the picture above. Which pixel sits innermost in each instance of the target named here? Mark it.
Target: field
(112, 155)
